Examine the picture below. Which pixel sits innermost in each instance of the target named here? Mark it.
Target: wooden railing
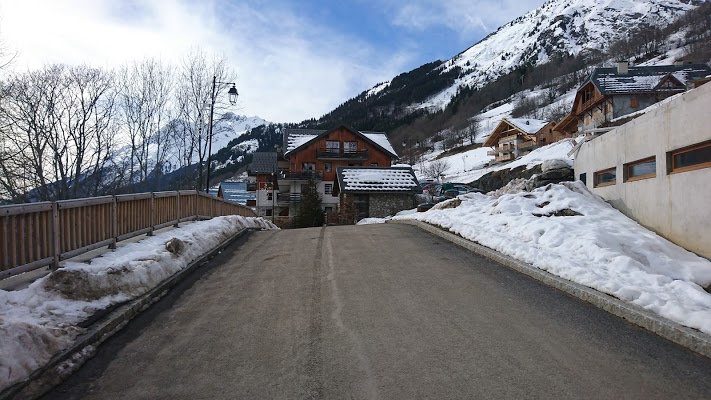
(36, 235)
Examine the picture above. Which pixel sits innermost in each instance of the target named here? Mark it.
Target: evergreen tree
(310, 212)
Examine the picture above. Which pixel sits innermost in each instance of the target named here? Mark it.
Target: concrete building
(656, 169)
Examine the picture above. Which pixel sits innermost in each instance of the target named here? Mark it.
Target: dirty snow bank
(41, 320)
(568, 231)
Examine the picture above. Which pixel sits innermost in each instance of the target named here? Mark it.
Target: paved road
(378, 311)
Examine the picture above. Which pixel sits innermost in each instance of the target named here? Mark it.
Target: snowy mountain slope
(557, 28)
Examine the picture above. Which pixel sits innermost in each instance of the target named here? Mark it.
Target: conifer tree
(310, 212)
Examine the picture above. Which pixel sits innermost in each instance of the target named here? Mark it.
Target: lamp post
(233, 99)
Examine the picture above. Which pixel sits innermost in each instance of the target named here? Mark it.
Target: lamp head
(233, 94)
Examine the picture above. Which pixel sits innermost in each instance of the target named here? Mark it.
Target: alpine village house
(278, 179)
(610, 97)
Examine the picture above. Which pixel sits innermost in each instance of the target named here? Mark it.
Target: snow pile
(568, 231)
(370, 221)
(41, 320)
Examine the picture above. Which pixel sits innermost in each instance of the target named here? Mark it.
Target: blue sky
(292, 59)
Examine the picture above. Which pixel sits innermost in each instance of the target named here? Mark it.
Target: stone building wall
(383, 204)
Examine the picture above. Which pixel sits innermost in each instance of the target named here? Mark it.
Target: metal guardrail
(36, 235)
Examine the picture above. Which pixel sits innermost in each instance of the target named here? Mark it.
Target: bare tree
(436, 169)
(144, 99)
(193, 101)
(56, 126)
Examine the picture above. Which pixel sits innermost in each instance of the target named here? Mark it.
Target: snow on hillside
(565, 27)
(232, 128)
(41, 320)
(469, 166)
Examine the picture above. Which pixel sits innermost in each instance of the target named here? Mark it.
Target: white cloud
(288, 69)
(463, 16)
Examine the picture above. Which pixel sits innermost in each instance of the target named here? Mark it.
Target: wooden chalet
(315, 155)
(612, 93)
(514, 137)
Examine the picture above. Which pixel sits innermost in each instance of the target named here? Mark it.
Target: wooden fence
(36, 235)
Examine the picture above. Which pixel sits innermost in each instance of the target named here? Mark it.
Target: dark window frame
(627, 170)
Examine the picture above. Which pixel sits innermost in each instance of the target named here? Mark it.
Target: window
(641, 169)
(328, 188)
(308, 167)
(327, 167)
(374, 164)
(350, 147)
(268, 212)
(634, 103)
(333, 146)
(584, 178)
(690, 158)
(605, 177)
(270, 196)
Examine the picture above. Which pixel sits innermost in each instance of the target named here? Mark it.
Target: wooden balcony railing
(36, 235)
(508, 138)
(505, 157)
(528, 145)
(338, 154)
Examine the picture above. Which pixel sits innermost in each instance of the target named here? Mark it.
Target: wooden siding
(307, 154)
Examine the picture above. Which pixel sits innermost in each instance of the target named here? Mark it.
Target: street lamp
(233, 99)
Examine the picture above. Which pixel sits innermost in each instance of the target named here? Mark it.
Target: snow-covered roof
(381, 139)
(295, 138)
(378, 180)
(646, 78)
(530, 126)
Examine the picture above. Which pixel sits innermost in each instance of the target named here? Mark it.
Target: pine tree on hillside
(310, 212)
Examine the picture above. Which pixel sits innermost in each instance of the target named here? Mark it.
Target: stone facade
(384, 204)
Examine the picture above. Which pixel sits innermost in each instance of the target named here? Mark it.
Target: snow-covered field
(570, 232)
(41, 320)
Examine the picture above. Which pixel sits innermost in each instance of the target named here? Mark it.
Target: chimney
(622, 67)
(527, 122)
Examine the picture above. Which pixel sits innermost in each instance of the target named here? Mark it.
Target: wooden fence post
(177, 221)
(56, 250)
(151, 213)
(114, 222)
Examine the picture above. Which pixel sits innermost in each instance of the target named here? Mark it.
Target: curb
(692, 339)
(62, 365)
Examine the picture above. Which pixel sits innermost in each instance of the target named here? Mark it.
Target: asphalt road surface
(377, 311)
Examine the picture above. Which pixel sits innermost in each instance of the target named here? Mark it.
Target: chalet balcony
(337, 154)
(301, 175)
(508, 138)
(492, 152)
(285, 198)
(505, 157)
(528, 145)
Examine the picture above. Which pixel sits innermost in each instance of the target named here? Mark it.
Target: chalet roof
(377, 180)
(527, 125)
(524, 126)
(296, 138)
(644, 79)
(264, 162)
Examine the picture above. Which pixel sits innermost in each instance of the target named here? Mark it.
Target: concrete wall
(382, 205)
(677, 206)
